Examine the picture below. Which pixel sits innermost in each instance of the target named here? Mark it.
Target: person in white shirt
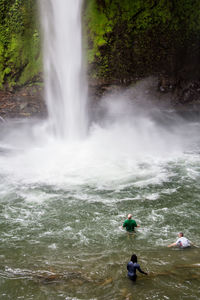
(182, 242)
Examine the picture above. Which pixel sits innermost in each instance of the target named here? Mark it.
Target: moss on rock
(129, 39)
(126, 40)
(20, 55)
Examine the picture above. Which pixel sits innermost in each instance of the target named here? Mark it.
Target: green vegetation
(125, 40)
(129, 39)
(20, 55)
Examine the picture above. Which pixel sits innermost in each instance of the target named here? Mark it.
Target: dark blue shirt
(132, 267)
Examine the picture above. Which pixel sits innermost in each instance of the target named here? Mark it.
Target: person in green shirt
(130, 224)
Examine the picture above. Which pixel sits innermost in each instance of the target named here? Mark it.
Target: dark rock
(25, 102)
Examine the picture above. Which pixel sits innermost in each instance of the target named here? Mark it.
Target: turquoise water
(62, 206)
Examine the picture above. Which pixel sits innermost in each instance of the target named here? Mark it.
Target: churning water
(62, 201)
(62, 205)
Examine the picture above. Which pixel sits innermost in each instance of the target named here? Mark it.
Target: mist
(129, 136)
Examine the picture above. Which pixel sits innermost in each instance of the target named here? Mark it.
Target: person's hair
(134, 258)
(181, 233)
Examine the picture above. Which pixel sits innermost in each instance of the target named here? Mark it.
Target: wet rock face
(26, 102)
(126, 41)
(190, 93)
(29, 101)
(136, 39)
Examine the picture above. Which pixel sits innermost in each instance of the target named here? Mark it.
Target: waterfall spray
(65, 88)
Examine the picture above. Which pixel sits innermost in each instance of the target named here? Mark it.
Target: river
(63, 203)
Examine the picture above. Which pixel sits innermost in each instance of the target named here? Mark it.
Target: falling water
(65, 89)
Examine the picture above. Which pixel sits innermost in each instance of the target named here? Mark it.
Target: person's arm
(172, 245)
(124, 224)
(136, 225)
(140, 270)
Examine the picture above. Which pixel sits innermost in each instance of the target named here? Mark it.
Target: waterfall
(65, 88)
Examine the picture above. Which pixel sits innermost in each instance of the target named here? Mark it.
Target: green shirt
(130, 225)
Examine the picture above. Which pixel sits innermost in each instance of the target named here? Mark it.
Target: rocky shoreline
(25, 102)
(28, 101)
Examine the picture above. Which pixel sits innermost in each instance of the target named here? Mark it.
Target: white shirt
(183, 242)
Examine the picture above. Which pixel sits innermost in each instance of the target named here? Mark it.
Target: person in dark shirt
(132, 266)
(130, 224)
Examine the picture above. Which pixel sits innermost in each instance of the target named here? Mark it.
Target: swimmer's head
(129, 216)
(180, 234)
(134, 258)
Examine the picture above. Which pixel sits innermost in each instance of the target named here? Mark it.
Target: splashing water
(66, 91)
